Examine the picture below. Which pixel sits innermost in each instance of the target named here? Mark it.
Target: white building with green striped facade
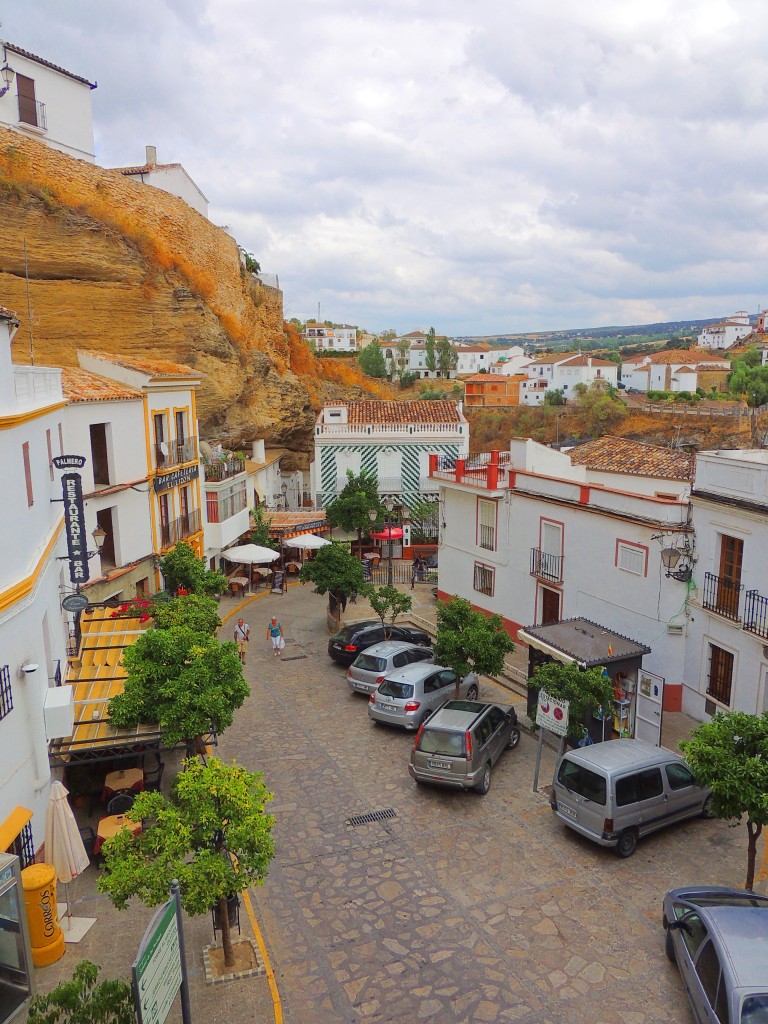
(388, 440)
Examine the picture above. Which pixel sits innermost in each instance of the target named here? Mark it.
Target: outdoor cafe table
(110, 826)
(238, 584)
(125, 778)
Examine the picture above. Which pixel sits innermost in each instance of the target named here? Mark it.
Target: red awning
(389, 533)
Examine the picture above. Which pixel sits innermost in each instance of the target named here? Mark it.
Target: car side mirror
(680, 924)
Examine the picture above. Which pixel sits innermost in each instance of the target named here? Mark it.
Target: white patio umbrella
(307, 541)
(250, 554)
(64, 850)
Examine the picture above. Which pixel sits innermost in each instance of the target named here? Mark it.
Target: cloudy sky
(481, 166)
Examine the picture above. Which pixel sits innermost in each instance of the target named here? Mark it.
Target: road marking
(277, 1006)
(253, 597)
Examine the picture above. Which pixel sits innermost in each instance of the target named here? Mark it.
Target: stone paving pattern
(460, 909)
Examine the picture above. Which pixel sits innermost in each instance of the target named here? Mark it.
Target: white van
(616, 792)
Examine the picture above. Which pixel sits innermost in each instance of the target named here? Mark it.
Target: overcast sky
(479, 166)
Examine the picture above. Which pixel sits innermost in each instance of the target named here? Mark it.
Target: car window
(391, 688)
(400, 659)
(447, 678)
(649, 783)
(582, 781)
(496, 718)
(370, 663)
(626, 790)
(694, 932)
(708, 971)
(371, 636)
(754, 1009)
(678, 776)
(437, 741)
(483, 731)
(419, 654)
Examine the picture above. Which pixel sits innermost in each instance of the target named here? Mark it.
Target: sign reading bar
(74, 527)
(552, 714)
(177, 478)
(69, 461)
(157, 973)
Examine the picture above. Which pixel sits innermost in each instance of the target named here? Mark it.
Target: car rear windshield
(437, 741)
(369, 663)
(754, 1009)
(581, 780)
(401, 691)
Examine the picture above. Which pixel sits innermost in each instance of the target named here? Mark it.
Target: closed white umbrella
(250, 554)
(64, 848)
(307, 541)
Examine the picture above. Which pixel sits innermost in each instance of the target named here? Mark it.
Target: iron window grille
(484, 579)
(23, 847)
(6, 693)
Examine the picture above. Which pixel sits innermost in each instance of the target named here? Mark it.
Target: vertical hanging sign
(74, 518)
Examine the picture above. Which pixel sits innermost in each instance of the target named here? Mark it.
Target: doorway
(550, 606)
(650, 697)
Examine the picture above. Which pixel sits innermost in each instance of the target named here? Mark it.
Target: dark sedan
(345, 645)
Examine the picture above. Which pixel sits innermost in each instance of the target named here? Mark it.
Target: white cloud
(484, 167)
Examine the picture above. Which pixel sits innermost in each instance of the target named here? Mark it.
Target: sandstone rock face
(112, 265)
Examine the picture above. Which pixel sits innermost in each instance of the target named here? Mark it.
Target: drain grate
(368, 819)
(294, 657)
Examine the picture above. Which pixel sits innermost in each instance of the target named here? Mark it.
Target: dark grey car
(719, 939)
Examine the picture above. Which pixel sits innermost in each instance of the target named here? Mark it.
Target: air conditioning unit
(675, 628)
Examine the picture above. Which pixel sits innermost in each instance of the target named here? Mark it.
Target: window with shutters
(720, 675)
(484, 579)
(30, 110)
(631, 557)
(486, 524)
(27, 473)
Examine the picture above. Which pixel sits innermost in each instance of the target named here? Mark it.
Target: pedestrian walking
(242, 636)
(275, 634)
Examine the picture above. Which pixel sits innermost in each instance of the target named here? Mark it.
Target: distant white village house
(726, 333)
(331, 338)
(170, 178)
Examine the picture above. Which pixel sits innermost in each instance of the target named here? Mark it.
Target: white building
(47, 103)
(170, 178)
(564, 371)
(538, 535)
(474, 358)
(726, 333)
(674, 370)
(509, 361)
(338, 338)
(727, 645)
(32, 634)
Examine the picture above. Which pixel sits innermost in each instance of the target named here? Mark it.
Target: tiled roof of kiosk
(370, 411)
(620, 455)
(587, 642)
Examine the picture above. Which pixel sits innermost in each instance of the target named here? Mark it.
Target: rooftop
(83, 386)
(46, 63)
(145, 168)
(683, 355)
(619, 455)
(371, 411)
(152, 367)
(583, 641)
(290, 523)
(586, 360)
(8, 314)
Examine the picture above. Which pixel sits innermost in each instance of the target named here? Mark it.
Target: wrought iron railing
(722, 595)
(756, 613)
(546, 566)
(6, 692)
(33, 112)
(224, 470)
(487, 537)
(173, 453)
(179, 529)
(56, 677)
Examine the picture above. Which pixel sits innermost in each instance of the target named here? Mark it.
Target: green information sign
(157, 970)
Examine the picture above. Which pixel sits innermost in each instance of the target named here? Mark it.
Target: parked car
(616, 792)
(719, 939)
(409, 696)
(345, 645)
(370, 668)
(461, 743)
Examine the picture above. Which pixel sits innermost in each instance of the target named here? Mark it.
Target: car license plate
(567, 811)
(388, 707)
(440, 764)
(362, 687)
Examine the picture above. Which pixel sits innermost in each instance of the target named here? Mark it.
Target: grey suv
(462, 742)
(408, 697)
(371, 668)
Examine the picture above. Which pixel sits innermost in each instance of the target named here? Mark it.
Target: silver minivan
(616, 792)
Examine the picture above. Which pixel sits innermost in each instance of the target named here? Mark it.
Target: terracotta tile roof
(289, 524)
(83, 386)
(8, 314)
(371, 411)
(682, 355)
(473, 348)
(144, 169)
(153, 367)
(553, 357)
(619, 455)
(46, 63)
(584, 360)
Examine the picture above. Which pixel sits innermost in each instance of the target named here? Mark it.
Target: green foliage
(196, 611)
(408, 379)
(215, 813)
(334, 570)
(447, 357)
(430, 351)
(82, 1001)
(598, 408)
(425, 523)
(587, 690)
(260, 528)
(555, 396)
(371, 360)
(182, 568)
(252, 265)
(748, 379)
(389, 602)
(184, 680)
(468, 640)
(350, 509)
(730, 755)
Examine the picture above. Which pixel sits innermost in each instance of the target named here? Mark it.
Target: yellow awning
(11, 828)
(545, 648)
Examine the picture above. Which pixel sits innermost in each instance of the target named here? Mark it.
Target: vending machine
(15, 954)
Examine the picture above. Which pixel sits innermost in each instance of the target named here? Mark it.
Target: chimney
(151, 155)
(259, 454)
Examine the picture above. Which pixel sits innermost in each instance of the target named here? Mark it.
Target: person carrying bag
(275, 634)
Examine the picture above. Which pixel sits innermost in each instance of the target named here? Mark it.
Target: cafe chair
(154, 777)
(121, 802)
(88, 837)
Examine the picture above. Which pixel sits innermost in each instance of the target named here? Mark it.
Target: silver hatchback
(408, 697)
(371, 668)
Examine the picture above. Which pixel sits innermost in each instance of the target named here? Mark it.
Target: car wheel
(627, 843)
(514, 738)
(485, 780)
(706, 810)
(472, 692)
(669, 945)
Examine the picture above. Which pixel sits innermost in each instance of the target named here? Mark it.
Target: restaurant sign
(178, 478)
(69, 461)
(74, 527)
(157, 971)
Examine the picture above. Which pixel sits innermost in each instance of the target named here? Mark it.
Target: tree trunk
(754, 831)
(226, 934)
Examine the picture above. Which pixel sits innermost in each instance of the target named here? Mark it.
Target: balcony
(32, 112)
(488, 470)
(179, 529)
(546, 566)
(224, 470)
(722, 596)
(174, 453)
(756, 614)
